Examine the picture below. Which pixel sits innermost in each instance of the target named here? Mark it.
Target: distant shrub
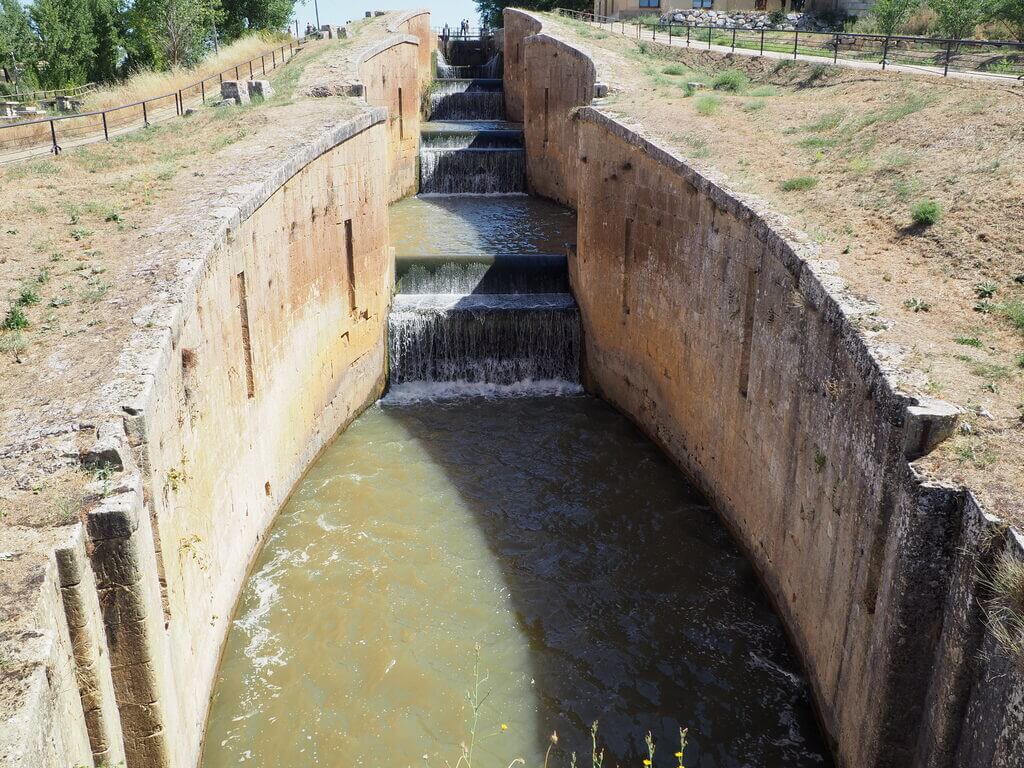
(708, 105)
(891, 15)
(730, 80)
(799, 183)
(925, 213)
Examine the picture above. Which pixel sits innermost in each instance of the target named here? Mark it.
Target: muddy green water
(467, 225)
(548, 532)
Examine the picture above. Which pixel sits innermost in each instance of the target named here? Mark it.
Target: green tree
(106, 31)
(957, 18)
(18, 44)
(891, 15)
(240, 16)
(1010, 13)
(66, 41)
(171, 33)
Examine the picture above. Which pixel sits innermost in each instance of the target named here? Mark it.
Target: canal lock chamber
(488, 527)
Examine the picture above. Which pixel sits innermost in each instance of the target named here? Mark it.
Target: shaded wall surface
(717, 330)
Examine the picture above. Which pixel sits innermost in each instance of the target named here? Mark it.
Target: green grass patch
(1014, 312)
(673, 69)
(730, 80)
(754, 106)
(764, 91)
(827, 122)
(707, 105)
(968, 341)
(817, 142)
(799, 183)
(925, 213)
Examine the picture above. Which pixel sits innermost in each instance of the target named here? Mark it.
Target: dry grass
(148, 84)
(1006, 608)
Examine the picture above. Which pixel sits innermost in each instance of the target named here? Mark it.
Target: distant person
(446, 32)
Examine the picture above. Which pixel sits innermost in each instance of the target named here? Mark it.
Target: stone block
(929, 422)
(234, 90)
(259, 90)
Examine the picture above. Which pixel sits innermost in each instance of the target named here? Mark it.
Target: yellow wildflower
(646, 761)
(504, 727)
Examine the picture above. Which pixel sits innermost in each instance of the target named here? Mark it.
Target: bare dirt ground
(847, 155)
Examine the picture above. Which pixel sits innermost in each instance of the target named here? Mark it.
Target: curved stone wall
(268, 341)
(717, 330)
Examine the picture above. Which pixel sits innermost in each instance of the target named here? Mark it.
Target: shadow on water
(638, 609)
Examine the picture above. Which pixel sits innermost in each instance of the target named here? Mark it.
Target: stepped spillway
(499, 315)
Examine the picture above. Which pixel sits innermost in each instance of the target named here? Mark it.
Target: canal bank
(752, 376)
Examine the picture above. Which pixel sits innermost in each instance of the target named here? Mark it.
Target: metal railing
(71, 93)
(24, 137)
(990, 58)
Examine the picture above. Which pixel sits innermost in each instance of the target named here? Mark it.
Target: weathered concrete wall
(390, 78)
(720, 333)
(282, 347)
(417, 24)
(518, 26)
(269, 339)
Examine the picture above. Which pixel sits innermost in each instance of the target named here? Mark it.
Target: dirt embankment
(914, 186)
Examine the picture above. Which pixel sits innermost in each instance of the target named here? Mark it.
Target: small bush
(673, 69)
(799, 183)
(753, 106)
(917, 305)
(28, 296)
(708, 105)
(1014, 312)
(764, 90)
(985, 290)
(925, 213)
(16, 319)
(730, 80)
(968, 341)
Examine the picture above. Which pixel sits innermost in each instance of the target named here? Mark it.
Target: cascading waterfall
(472, 171)
(471, 159)
(484, 338)
(492, 69)
(467, 99)
(489, 320)
(501, 274)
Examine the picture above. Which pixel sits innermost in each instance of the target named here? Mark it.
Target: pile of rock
(704, 17)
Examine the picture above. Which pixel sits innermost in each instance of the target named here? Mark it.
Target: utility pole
(316, 10)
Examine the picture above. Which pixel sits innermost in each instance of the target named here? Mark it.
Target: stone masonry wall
(268, 341)
(282, 347)
(391, 79)
(717, 330)
(417, 24)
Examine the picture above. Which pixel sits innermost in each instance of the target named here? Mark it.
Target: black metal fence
(991, 58)
(26, 137)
